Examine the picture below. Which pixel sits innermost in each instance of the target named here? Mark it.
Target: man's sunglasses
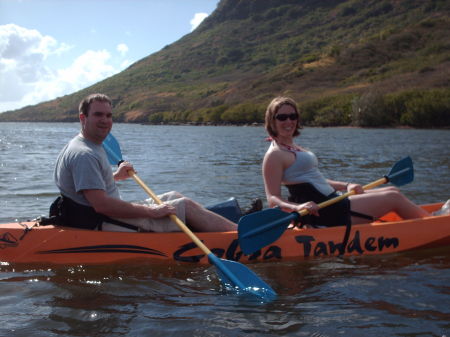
(282, 117)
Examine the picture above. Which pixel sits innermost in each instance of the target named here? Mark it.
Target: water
(396, 295)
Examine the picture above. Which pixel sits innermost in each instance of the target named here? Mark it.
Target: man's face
(98, 123)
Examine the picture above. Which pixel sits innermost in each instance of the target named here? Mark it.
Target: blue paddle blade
(402, 172)
(260, 229)
(231, 273)
(112, 149)
(238, 277)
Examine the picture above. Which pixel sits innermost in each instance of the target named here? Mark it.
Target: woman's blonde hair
(272, 110)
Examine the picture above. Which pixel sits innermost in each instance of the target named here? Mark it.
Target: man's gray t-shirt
(83, 165)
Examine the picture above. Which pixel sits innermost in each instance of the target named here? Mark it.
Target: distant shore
(254, 124)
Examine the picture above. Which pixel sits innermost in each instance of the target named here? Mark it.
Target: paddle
(260, 229)
(231, 273)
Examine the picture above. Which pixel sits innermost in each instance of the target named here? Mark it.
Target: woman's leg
(380, 201)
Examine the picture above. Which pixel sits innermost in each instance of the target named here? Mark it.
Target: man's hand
(160, 211)
(122, 171)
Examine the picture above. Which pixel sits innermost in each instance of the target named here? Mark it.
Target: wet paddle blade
(402, 172)
(260, 229)
(238, 277)
(112, 149)
(230, 273)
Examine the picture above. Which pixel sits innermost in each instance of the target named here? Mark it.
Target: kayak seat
(229, 209)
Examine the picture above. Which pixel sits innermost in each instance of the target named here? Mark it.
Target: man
(90, 196)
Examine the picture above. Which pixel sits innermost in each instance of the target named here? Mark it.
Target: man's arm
(116, 208)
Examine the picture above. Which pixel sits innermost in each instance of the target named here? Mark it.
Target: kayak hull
(29, 243)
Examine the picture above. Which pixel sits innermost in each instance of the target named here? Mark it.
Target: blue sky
(50, 48)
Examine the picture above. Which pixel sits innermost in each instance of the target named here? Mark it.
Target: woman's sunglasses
(282, 117)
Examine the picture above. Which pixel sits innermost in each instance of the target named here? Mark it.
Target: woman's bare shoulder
(277, 155)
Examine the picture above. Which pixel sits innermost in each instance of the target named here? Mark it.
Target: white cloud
(27, 77)
(125, 64)
(197, 20)
(122, 48)
(22, 56)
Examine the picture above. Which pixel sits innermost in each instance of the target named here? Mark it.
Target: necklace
(289, 147)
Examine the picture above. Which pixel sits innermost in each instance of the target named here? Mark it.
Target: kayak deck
(29, 243)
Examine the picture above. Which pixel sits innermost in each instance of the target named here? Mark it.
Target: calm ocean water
(395, 295)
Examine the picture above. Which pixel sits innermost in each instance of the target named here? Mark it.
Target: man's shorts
(164, 224)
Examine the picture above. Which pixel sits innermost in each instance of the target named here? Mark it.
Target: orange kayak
(30, 243)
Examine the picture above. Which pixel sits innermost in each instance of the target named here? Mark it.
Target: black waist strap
(337, 214)
(72, 214)
(304, 192)
(362, 215)
(119, 223)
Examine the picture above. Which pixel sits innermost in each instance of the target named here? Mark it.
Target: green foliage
(359, 62)
(327, 111)
(210, 115)
(369, 110)
(334, 51)
(243, 113)
(156, 118)
(428, 109)
(417, 108)
(308, 58)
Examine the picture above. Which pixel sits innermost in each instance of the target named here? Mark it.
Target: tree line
(417, 108)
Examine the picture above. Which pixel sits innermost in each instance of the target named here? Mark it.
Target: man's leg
(202, 220)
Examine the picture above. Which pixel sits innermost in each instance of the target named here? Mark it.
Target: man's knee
(191, 204)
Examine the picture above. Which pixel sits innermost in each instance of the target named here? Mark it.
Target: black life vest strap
(119, 223)
(66, 212)
(362, 215)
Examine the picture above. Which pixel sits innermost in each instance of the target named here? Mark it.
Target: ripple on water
(401, 294)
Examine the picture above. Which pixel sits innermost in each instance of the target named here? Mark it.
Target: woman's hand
(122, 171)
(356, 187)
(310, 206)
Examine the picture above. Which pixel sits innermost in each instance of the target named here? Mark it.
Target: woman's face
(286, 119)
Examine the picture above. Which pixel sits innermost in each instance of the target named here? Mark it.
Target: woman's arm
(273, 168)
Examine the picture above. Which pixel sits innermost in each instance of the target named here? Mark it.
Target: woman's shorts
(164, 224)
(337, 214)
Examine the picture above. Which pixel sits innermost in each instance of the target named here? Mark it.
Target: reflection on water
(211, 164)
(395, 295)
(399, 294)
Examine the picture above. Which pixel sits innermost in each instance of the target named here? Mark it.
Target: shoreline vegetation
(250, 125)
(417, 108)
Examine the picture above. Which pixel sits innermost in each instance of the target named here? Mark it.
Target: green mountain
(354, 62)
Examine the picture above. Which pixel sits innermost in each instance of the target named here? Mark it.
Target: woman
(289, 164)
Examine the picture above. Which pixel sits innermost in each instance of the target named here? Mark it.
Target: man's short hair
(86, 102)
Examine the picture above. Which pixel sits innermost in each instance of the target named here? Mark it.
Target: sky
(51, 48)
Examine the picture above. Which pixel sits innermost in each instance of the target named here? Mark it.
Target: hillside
(360, 62)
